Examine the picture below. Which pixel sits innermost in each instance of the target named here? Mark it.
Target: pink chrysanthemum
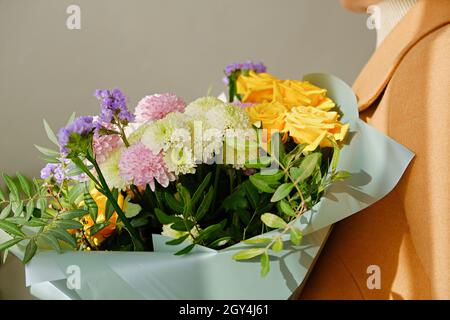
(140, 166)
(156, 106)
(104, 145)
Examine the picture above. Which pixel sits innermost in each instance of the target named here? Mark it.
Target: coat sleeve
(419, 117)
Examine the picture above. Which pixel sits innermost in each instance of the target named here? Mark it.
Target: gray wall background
(48, 71)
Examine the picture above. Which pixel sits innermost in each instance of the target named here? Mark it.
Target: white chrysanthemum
(157, 135)
(136, 133)
(111, 172)
(180, 160)
(197, 108)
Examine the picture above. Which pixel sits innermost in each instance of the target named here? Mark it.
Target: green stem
(105, 190)
(216, 184)
(122, 132)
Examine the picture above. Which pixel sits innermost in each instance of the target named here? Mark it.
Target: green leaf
(17, 205)
(63, 235)
(30, 251)
(75, 193)
(185, 250)
(265, 264)
(6, 211)
(36, 222)
(96, 228)
(205, 204)
(29, 209)
(336, 153)
(49, 153)
(50, 240)
(261, 184)
(282, 192)
(306, 168)
(260, 163)
(139, 221)
(42, 204)
(72, 214)
(164, 218)
(185, 225)
(296, 236)
(286, 208)
(11, 228)
(25, 184)
(219, 242)
(199, 192)
(92, 205)
(252, 193)
(235, 201)
(50, 134)
(2, 195)
(186, 196)
(178, 241)
(295, 154)
(10, 243)
(258, 241)
(270, 176)
(278, 245)
(12, 187)
(207, 232)
(273, 221)
(131, 209)
(69, 224)
(173, 203)
(109, 208)
(248, 253)
(341, 175)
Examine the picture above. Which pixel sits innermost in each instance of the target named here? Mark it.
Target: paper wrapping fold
(376, 163)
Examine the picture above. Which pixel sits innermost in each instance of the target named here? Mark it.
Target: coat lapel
(424, 18)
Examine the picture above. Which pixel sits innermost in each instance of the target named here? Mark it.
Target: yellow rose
(87, 221)
(264, 88)
(271, 115)
(314, 127)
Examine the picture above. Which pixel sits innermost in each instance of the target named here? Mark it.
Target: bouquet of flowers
(240, 176)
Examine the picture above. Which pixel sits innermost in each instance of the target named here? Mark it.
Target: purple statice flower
(113, 104)
(81, 126)
(53, 170)
(258, 67)
(59, 172)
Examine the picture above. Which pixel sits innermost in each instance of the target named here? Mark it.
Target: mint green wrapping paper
(376, 163)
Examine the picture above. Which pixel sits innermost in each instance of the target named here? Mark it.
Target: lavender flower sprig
(234, 70)
(114, 112)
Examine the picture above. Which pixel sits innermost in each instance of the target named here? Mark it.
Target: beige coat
(404, 91)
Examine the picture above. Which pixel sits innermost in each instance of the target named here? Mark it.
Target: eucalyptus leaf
(265, 264)
(273, 221)
(296, 235)
(258, 240)
(306, 168)
(248, 253)
(282, 192)
(261, 184)
(286, 208)
(277, 245)
(29, 209)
